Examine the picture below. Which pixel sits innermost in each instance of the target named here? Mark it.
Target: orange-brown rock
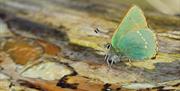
(49, 48)
(22, 50)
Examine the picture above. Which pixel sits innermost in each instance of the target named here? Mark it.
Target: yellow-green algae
(160, 58)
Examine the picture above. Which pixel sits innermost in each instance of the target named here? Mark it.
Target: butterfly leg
(107, 59)
(130, 62)
(111, 62)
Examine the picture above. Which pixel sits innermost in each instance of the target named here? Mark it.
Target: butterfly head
(111, 56)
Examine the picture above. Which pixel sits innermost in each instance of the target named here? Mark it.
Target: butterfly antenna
(130, 62)
(96, 30)
(107, 46)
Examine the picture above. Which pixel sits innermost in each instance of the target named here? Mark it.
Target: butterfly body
(133, 39)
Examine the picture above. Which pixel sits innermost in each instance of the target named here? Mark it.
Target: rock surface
(67, 28)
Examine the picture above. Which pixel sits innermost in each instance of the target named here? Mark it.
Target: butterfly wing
(138, 45)
(133, 21)
(133, 38)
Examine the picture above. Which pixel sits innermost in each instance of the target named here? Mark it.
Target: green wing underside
(133, 21)
(133, 38)
(138, 45)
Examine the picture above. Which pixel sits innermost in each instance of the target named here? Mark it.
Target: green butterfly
(132, 40)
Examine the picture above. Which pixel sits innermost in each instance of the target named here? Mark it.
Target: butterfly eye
(108, 46)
